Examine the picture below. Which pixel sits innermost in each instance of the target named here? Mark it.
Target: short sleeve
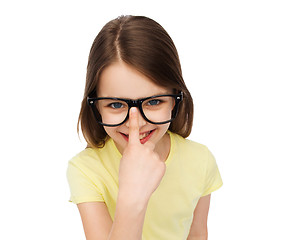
(213, 180)
(82, 188)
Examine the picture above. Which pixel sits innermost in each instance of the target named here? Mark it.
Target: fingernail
(133, 110)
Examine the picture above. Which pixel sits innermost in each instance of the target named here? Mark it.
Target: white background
(233, 59)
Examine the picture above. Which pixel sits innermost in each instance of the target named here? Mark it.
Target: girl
(139, 178)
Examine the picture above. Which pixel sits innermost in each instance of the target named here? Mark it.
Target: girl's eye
(116, 105)
(153, 102)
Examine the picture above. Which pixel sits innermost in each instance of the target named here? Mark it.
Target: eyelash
(156, 100)
(111, 105)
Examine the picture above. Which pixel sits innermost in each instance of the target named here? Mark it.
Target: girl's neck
(163, 147)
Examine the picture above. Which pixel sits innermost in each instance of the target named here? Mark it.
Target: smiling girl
(139, 177)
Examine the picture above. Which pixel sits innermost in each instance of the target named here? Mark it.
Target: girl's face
(122, 81)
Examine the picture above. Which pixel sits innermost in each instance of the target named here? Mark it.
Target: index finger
(134, 133)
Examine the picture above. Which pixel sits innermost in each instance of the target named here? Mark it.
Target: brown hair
(145, 45)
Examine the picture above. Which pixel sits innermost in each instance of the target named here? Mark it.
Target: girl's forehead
(122, 80)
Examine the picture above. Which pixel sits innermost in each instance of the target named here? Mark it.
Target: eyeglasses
(112, 112)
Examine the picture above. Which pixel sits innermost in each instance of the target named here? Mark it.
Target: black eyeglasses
(112, 112)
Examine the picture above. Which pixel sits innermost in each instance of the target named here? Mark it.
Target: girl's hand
(141, 169)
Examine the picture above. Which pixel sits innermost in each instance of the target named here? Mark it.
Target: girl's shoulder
(86, 159)
(184, 144)
(85, 155)
(95, 157)
(190, 152)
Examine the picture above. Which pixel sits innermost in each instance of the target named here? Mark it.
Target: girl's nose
(142, 121)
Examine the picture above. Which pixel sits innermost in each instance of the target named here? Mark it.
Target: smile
(144, 137)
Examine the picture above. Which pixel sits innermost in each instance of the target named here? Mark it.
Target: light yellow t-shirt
(191, 172)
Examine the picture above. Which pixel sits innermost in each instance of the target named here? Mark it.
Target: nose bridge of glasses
(134, 103)
(137, 104)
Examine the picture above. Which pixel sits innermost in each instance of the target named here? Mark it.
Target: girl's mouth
(144, 137)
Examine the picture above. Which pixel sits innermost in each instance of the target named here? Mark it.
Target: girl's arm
(96, 220)
(129, 219)
(140, 173)
(199, 229)
(98, 224)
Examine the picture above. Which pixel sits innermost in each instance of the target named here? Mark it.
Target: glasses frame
(135, 103)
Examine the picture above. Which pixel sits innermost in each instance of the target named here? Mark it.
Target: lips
(144, 137)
